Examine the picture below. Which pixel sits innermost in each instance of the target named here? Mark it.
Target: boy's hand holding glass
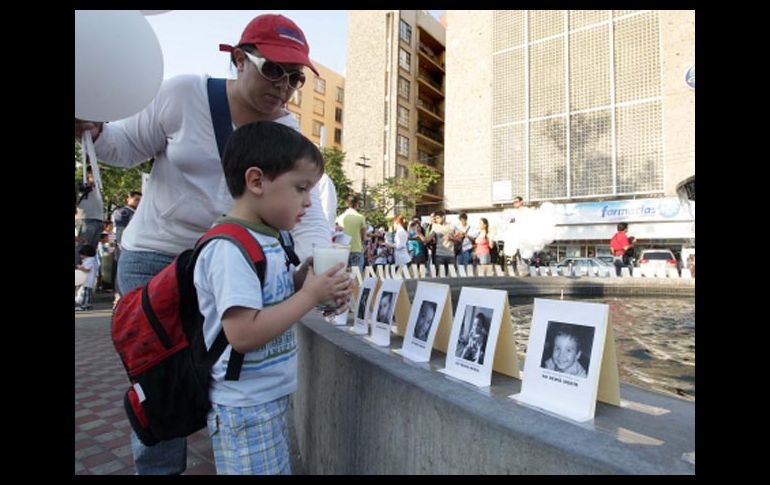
(331, 289)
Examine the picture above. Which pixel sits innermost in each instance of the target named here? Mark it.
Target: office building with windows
(592, 110)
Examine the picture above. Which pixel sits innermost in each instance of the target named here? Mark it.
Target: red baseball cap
(278, 39)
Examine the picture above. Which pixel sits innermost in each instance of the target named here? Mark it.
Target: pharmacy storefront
(584, 229)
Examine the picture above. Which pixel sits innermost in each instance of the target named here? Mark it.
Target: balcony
(432, 134)
(428, 79)
(431, 56)
(431, 109)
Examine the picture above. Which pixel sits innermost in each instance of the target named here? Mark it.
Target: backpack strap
(251, 249)
(220, 112)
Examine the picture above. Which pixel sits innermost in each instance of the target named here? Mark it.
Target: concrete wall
(677, 32)
(468, 128)
(361, 409)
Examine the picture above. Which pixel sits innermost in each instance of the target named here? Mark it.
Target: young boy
(566, 352)
(88, 265)
(270, 170)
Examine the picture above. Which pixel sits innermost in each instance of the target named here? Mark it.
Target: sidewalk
(102, 432)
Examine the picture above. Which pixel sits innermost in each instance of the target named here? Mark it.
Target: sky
(190, 38)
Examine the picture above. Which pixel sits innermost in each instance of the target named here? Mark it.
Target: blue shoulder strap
(220, 112)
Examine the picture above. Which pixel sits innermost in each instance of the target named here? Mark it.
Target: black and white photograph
(384, 310)
(567, 348)
(362, 302)
(474, 332)
(425, 320)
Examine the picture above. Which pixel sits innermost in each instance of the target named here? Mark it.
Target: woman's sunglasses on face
(275, 72)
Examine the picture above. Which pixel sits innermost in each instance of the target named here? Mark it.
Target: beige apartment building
(318, 106)
(593, 110)
(395, 97)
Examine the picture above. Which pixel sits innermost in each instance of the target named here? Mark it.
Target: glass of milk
(324, 258)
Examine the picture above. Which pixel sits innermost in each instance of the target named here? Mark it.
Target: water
(654, 339)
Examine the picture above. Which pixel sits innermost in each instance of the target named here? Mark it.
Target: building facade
(395, 96)
(571, 107)
(318, 106)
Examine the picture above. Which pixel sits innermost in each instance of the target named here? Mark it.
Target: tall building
(593, 110)
(318, 106)
(395, 98)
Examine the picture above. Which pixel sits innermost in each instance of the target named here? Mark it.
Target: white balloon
(153, 12)
(118, 64)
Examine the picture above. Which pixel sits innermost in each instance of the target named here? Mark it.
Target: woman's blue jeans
(136, 268)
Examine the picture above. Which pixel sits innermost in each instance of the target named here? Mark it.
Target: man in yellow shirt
(354, 225)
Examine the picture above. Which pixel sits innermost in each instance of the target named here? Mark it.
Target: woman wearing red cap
(187, 189)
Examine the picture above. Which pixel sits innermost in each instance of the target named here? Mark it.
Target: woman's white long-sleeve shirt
(187, 189)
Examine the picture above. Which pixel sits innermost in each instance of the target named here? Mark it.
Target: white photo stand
(405, 272)
(431, 313)
(461, 271)
(369, 272)
(341, 320)
(482, 337)
(357, 274)
(363, 311)
(433, 271)
(469, 270)
(391, 305)
(415, 271)
(380, 273)
(452, 271)
(421, 271)
(570, 351)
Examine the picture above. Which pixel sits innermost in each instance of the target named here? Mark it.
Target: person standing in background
(89, 214)
(354, 225)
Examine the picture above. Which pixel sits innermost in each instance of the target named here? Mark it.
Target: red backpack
(157, 330)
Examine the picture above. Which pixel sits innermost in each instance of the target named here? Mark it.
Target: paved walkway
(102, 432)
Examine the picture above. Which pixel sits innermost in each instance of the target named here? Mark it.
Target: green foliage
(334, 157)
(402, 191)
(375, 217)
(117, 182)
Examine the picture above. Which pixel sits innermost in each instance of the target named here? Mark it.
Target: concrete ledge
(362, 409)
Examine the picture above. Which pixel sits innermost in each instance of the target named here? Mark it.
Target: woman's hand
(82, 125)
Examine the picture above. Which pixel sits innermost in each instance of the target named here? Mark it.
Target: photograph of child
(362, 302)
(568, 348)
(424, 320)
(472, 342)
(383, 311)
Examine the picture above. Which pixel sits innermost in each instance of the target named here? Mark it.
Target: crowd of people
(433, 243)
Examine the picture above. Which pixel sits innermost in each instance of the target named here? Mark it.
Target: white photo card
(475, 330)
(431, 309)
(362, 314)
(564, 357)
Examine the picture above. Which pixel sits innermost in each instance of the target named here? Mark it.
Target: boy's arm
(83, 268)
(247, 328)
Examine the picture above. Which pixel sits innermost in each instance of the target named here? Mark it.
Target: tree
(334, 157)
(401, 191)
(117, 182)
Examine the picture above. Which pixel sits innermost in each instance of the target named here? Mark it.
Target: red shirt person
(618, 245)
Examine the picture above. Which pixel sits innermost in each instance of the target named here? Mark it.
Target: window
(403, 116)
(320, 85)
(318, 106)
(337, 136)
(296, 98)
(404, 59)
(401, 171)
(340, 94)
(403, 88)
(405, 32)
(338, 115)
(403, 146)
(317, 126)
